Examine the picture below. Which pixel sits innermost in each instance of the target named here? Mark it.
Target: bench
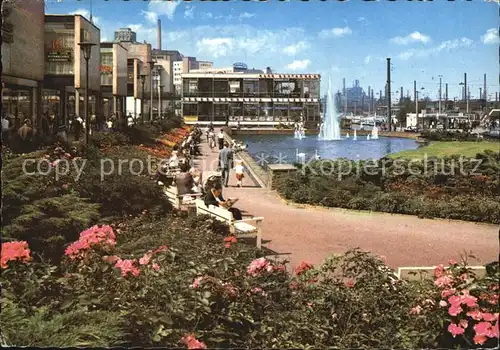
(178, 201)
(240, 228)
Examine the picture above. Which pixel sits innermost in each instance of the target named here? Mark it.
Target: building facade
(23, 58)
(65, 67)
(125, 35)
(114, 64)
(251, 99)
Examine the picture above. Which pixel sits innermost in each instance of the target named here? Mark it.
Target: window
(281, 112)
(311, 88)
(190, 109)
(250, 111)
(205, 111)
(296, 111)
(205, 87)
(250, 87)
(59, 41)
(16, 102)
(266, 111)
(221, 88)
(265, 87)
(235, 111)
(107, 67)
(221, 112)
(234, 88)
(190, 87)
(281, 88)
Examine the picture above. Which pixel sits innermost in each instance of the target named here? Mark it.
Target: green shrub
(108, 139)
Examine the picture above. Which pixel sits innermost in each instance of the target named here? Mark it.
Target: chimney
(446, 92)
(343, 89)
(159, 34)
(484, 89)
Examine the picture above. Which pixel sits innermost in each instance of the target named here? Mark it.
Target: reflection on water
(274, 149)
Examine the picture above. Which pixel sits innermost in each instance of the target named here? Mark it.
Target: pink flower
(192, 343)
(11, 251)
(455, 329)
(156, 267)
(454, 310)
(438, 271)
(280, 268)
(479, 339)
(463, 323)
(463, 277)
(415, 310)
(303, 267)
(256, 266)
(483, 328)
(443, 281)
(145, 259)
(454, 300)
(494, 330)
(127, 266)
(447, 292)
(293, 285)
(349, 284)
(475, 314)
(227, 245)
(469, 300)
(230, 289)
(93, 236)
(196, 282)
(452, 262)
(443, 303)
(490, 317)
(65, 186)
(258, 290)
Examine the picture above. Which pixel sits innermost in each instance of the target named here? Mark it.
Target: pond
(284, 149)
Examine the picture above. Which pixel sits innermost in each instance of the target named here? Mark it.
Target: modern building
(65, 67)
(23, 57)
(114, 64)
(125, 35)
(251, 99)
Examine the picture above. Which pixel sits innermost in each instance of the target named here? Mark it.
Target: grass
(447, 148)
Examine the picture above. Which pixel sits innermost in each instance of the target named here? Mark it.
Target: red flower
(11, 251)
(303, 267)
(192, 343)
(349, 284)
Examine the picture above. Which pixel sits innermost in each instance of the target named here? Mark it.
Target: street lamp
(87, 50)
(151, 67)
(143, 80)
(159, 99)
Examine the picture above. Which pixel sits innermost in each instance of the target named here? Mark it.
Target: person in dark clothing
(184, 180)
(214, 197)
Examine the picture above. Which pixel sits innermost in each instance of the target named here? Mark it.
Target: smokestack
(446, 92)
(159, 34)
(484, 88)
(401, 99)
(415, 90)
(343, 90)
(465, 86)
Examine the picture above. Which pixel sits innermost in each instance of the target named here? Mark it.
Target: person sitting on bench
(214, 197)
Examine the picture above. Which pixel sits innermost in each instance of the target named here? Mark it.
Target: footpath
(312, 234)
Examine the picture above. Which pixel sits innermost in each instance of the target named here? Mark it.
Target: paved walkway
(313, 234)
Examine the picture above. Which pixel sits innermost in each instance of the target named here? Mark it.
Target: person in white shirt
(5, 130)
(130, 120)
(239, 170)
(220, 139)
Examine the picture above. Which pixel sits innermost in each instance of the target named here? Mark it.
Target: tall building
(125, 35)
(251, 99)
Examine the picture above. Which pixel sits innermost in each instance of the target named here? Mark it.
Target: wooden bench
(240, 228)
(180, 202)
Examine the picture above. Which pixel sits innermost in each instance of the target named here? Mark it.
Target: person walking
(226, 162)
(239, 170)
(220, 139)
(78, 125)
(211, 139)
(5, 130)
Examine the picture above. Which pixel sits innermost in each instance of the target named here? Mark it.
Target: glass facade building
(266, 99)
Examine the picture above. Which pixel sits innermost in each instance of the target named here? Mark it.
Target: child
(239, 172)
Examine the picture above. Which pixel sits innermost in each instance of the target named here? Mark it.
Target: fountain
(355, 137)
(299, 132)
(330, 128)
(368, 137)
(375, 133)
(347, 135)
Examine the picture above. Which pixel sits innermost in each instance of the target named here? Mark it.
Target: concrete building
(125, 35)
(23, 57)
(114, 64)
(251, 99)
(64, 80)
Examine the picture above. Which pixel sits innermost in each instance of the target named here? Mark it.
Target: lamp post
(86, 47)
(143, 80)
(159, 99)
(151, 67)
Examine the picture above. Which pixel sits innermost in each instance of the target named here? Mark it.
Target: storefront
(22, 58)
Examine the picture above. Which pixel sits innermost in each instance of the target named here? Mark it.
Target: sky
(341, 39)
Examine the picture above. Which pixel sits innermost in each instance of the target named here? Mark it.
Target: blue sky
(346, 39)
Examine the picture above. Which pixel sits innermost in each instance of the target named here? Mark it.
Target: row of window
(205, 87)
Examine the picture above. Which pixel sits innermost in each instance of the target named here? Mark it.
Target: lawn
(448, 148)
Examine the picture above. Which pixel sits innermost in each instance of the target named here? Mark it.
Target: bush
(108, 139)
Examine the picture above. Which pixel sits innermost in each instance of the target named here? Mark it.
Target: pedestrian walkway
(313, 234)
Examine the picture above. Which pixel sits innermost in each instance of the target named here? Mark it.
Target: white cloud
(293, 49)
(208, 15)
(188, 13)
(491, 37)
(411, 38)
(361, 19)
(246, 15)
(104, 39)
(298, 65)
(163, 8)
(335, 32)
(445, 46)
(150, 16)
(86, 13)
(367, 59)
(135, 27)
(216, 47)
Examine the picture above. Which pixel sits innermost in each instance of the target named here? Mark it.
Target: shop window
(205, 87)
(16, 102)
(281, 112)
(221, 88)
(265, 111)
(296, 111)
(221, 112)
(311, 88)
(251, 111)
(235, 111)
(235, 88)
(59, 49)
(190, 109)
(250, 87)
